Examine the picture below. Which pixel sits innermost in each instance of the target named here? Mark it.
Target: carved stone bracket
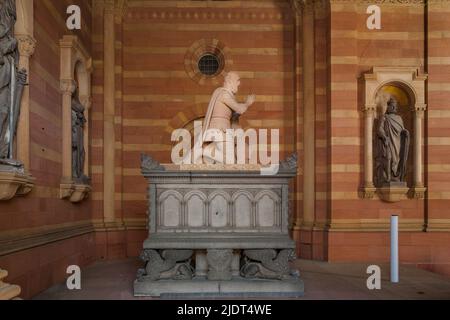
(269, 264)
(393, 193)
(74, 192)
(14, 184)
(8, 291)
(169, 264)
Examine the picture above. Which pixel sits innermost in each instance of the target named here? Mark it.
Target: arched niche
(406, 84)
(14, 184)
(76, 71)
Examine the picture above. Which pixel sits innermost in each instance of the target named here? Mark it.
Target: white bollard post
(394, 249)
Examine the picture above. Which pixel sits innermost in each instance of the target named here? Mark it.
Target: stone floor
(114, 280)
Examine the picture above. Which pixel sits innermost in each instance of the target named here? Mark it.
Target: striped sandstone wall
(358, 227)
(40, 234)
(155, 94)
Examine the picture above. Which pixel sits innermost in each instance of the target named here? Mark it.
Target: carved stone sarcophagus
(221, 231)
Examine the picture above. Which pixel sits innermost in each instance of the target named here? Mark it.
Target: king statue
(223, 113)
(392, 147)
(12, 82)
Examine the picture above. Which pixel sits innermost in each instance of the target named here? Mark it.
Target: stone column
(419, 190)
(67, 89)
(369, 115)
(27, 45)
(309, 107)
(24, 31)
(297, 107)
(109, 137)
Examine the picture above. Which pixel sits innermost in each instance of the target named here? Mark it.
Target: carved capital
(27, 45)
(67, 86)
(370, 109)
(418, 192)
(368, 192)
(420, 109)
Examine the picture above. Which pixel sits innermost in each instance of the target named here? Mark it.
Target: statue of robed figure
(12, 82)
(78, 151)
(393, 141)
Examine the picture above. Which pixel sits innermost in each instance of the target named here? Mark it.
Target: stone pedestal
(8, 291)
(14, 181)
(218, 232)
(393, 191)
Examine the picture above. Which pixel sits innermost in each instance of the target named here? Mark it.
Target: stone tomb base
(221, 232)
(201, 287)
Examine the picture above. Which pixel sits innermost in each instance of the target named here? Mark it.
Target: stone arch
(406, 87)
(76, 70)
(411, 81)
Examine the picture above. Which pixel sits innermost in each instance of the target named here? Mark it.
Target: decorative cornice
(19, 240)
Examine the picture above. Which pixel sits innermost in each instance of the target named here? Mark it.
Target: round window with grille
(209, 64)
(207, 61)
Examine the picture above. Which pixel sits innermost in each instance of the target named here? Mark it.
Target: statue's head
(8, 9)
(392, 105)
(232, 81)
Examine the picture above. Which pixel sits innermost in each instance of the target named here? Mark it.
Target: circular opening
(209, 64)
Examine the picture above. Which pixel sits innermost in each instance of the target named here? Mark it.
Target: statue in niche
(223, 113)
(392, 147)
(12, 82)
(78, 151)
